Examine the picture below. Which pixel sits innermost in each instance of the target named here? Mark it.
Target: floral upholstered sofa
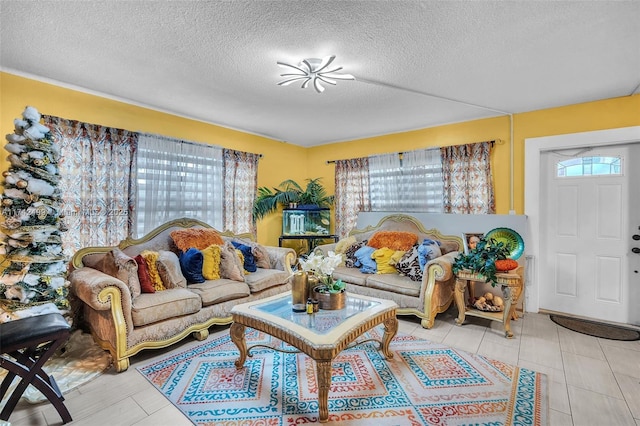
(399, 259)
(180, 279)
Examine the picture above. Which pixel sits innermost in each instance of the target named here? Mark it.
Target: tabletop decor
(330, 293)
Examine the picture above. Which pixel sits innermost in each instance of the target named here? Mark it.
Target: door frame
(533, 150)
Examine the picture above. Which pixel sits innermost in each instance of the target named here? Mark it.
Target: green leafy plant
(482, 259)
(333, 287)
(289, 191)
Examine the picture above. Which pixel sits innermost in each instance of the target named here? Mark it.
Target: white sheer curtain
(385, 179)
(177, 179)
(422, 184)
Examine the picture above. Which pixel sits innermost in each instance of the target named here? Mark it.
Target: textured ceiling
(215, 61)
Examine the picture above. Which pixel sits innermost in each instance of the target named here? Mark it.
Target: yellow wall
(280, 161)
(598, 115)
(284, 161)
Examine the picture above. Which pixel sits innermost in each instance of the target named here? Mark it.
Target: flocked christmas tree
(34, 277)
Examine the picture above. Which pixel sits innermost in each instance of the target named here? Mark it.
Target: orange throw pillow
(395, 240)
(199, 238)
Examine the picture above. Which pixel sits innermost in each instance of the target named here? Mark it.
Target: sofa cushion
(117, 264)
(350, 275)
(220, 290)
(364, 261)
(409, 265)
(394, 283)
(263, 279)
(343, 245)
(349, 255)
(395, 240)
(260, 253)
(146, 285)
(199, 238)
(191, 265)
(428, 250)
(211, 262)
(169, 269)
(249, 261)
(151, 259)
(382, 257)
(153, 307)
(231, 266)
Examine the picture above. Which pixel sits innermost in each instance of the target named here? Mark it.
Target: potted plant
(482, 259)
(290, 192)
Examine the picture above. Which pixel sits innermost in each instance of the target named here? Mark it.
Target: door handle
(636, 250)
(636, 237)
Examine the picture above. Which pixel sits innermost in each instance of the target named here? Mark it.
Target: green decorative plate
(508, 236)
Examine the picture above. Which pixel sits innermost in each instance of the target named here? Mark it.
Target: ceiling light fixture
(313, 70)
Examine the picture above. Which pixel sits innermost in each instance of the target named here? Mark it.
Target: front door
(585, 270)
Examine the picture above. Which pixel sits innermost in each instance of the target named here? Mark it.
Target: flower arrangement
(323, 267)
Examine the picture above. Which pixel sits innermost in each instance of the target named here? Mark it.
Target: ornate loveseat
(430, 294)
(124, 320)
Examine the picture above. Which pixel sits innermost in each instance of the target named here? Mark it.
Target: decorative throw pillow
(230, 265)
(349, 255)
(151, 257)
(344, 244)
(260, 253)
(122, 266)
(191, 265)
(429, 249)
(169, 269)
(249, 261)
(211, 262)
(395, 258)
(199, 238)
(364, 261)
(146, 285)
(409, 265)
(395, 240)
(382, 257)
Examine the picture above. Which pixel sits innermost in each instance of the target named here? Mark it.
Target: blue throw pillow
(191, 265)
(249, 258)
(429, 249)
(366, 263)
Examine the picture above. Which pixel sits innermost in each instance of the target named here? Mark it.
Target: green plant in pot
(482, 259)
(290, 192)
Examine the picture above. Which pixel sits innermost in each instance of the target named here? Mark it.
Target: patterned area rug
(424, 384)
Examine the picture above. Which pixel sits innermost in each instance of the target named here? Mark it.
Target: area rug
(596, 329)
(424, 384)
(79, 361)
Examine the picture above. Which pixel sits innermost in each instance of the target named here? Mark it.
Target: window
(589, 166)
(177, 179)
(411, 182)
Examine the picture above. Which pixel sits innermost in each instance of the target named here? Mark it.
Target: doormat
(596, 329)
(425, 383)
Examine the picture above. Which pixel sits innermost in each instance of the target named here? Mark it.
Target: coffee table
(322, 335)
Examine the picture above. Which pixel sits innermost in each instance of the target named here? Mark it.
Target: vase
(299, 291)
(330, 301)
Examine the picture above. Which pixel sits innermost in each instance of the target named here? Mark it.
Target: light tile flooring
(591, 381)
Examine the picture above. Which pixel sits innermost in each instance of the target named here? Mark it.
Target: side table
(509, 282)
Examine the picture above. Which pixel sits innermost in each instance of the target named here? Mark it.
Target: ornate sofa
(430, 294)
(124, 320)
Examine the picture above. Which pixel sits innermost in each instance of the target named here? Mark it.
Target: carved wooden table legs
(323, 366)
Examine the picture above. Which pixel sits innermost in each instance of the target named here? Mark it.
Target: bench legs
(26, 362)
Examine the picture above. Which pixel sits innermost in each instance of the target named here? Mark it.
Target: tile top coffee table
(322, 335)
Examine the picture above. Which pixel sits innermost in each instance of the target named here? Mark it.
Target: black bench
(26, 344)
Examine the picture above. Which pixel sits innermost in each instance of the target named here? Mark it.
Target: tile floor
(592, 382)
